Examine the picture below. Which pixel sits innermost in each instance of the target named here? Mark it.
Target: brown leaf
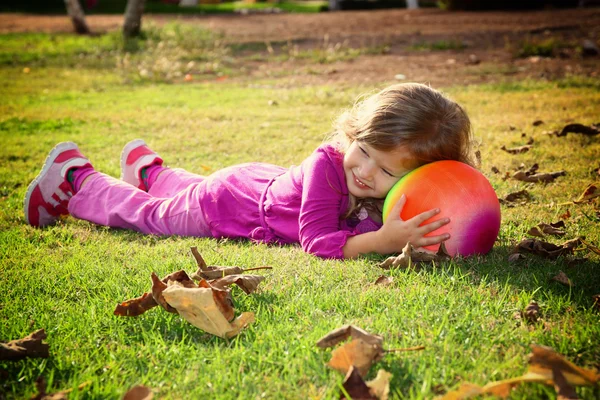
(591, 130)
(544, 363)
(357, 353)
(514, 196)
(384, 280)
(532, 312)
(201, 308)
(31, 345)
(248, 283)
(139, 392)
(590, 193)
(135, 307)
(222, 298)
(40, 384)
(215, 272)
(537, 122)
(562, 278)
(157, 288)
(596, 299)
(516, 150)
(530, 141)
(495, 170)
(356, 387)
(411, 256)
(513, 258)
(543, 229)
(566, 215)
(564, 391)
(541, 177)
(340, 334)
(380, 386)
(545, 249)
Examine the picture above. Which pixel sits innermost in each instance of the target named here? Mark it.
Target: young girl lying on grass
(330, 203)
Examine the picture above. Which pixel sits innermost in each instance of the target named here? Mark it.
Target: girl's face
(372, 173)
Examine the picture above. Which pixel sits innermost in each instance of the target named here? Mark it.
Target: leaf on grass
(543, 229)
(517, 150)
(380, 386)
(41, 386)
(135, 307)
(139, 305)
(411, 256)
(157, 288)
(31, 345)
(513, 258)
(248, 283)
(537, 122)
(357, 353)
(544, 367)
(215, 272)
(139, 392)
(564, 391)
(596, 299)
(384, 280)
(591, 130)
(340, 334)
(566, 215)
(355, 387)
(201, 308)
(562, 278)
(590, 193)
(541, 177)
(591, 247)
(545, 249)
(532, 312)
(495, 170)
(514, 196)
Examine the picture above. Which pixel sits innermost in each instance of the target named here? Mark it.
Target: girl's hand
(395, 232)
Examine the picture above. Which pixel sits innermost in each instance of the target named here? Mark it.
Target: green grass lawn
(68, 278)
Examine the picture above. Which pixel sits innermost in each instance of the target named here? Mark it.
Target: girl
(330, 203)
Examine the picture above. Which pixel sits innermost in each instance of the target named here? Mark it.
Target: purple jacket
(303, 204)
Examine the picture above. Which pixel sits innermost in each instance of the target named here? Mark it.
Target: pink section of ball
(462, 193)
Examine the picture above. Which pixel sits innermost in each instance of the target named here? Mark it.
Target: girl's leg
(142, 168)
(108, 201)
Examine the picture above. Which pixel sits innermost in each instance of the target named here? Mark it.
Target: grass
(438, 45)
(68, 278)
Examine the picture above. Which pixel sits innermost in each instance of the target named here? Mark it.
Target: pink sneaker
(48, 195)
(135, 156)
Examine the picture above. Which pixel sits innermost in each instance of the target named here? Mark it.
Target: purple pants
(170, 207)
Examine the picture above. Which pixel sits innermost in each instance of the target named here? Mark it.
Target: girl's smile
(372, 173)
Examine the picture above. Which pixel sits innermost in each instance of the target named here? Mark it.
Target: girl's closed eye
(363, 150)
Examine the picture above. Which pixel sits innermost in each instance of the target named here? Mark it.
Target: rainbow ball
(462, 194)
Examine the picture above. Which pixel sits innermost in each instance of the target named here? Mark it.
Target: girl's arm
(395, 233)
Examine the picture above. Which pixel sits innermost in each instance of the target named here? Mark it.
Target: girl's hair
(430, 126)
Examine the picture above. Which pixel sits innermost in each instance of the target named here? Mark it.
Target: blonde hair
(430, 126)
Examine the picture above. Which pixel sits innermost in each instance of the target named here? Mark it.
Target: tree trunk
(77, 17)
(133, 17)
(412, 4)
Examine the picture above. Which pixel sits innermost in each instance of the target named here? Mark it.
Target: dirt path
(490, 40)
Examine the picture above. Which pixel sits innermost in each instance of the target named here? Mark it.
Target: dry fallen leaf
(545, 249)
(517, 150)
(562, 278)
(543, 229)
(515, 257)
(537, 122)
(340, 334)
(215, 272)
(495, 170)
(139, 392)
(355, 387)
(591, 247)
(384, 280)
(357, 353)
(40, 384)
(511, 198)
(410, 257)
(591, 192)
(591, 130)
(200, 307)
(380, 386)
(532, 312)
(248, 283)
(566, 215)
(544, 365)
(541, 177)
(31, 345)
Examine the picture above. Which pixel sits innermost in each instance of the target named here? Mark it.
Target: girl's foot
(135, 156)
(48, 195)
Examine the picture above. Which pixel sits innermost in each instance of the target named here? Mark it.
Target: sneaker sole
(126, 150)
(55, 152)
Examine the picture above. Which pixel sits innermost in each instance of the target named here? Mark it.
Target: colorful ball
(462, 194)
